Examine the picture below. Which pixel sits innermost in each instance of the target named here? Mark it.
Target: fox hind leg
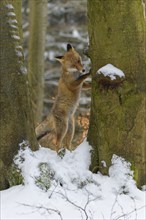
(61, 129)
(42, 129)
(69, 134)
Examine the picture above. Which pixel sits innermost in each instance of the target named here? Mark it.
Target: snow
(103, 163)
(74, 192)
(9, 6)
(18, 53)
(16, 37)
(76, 34)
(14, 27)
(19, 47)
(144, 8)
(12, 22)
(23, 69)
(111, 71)
(11, 14)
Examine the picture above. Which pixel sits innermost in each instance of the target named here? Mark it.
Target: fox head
(71, 61)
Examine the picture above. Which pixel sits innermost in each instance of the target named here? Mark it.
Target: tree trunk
(38, 22)
(16, 124)
(117, 123)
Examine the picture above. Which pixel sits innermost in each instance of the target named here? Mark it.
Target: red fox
(58, 128)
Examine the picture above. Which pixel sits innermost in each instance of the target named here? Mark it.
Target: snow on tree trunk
(117, 123)
(38, 23)
(16, 122)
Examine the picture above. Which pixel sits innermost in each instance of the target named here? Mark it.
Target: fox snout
(82, 71)
(80, 68)
(75, 69)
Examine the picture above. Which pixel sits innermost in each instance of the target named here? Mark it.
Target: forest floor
(64, 188)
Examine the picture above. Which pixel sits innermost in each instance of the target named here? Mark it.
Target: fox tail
(44, 128)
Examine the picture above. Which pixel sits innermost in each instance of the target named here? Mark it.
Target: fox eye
(78, 61)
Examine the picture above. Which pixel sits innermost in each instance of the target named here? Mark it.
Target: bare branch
(126, 215)
(83, 210)
(55, 186)
(49, 210)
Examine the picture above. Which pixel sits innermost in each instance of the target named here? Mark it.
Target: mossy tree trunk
(16, 124)
(38, 23)
(118, 116)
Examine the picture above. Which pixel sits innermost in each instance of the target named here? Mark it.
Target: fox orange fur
(58, 128)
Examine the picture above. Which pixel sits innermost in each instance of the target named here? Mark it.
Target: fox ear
(59, 58)
(69, 47)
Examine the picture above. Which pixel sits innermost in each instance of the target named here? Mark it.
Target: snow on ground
(111, 71)
(75, 192)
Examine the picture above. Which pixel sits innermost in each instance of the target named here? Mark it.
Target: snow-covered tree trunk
(38, 24)
(16, 124)
(117, 123)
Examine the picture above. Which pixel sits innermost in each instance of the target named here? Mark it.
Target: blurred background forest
(66, 23)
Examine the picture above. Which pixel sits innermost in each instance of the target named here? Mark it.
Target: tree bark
(16, 122)
(38, 23)
(117, 123)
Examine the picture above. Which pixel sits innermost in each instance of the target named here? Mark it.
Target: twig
(122, 209)
(125, 215)
(112, 212)
(80, 208)
(77, 206)
(45, 208)
(53, 191)
(135, 209)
